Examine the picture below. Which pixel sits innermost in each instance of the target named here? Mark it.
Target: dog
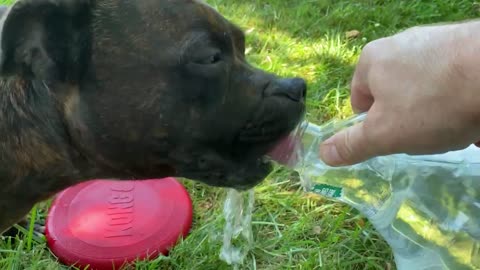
(136, 89)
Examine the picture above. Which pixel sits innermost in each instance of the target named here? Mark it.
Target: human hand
(421, 91)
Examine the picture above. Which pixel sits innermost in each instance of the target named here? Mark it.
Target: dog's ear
(46, 39)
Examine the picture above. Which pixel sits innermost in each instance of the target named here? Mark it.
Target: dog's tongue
(285, 152)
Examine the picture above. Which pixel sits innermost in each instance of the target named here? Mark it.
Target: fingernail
(329, 154)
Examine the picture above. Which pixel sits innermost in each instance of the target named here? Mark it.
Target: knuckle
(372, 48)
(376, 56)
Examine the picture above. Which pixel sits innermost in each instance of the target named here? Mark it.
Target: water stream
(237, 232)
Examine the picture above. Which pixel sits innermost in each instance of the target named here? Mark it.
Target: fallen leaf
(317, 230)
(361, 223)
(352, 34)
(206, 205)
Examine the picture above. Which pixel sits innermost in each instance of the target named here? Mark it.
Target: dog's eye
(214, 58)
(209, 59)
(207, 63)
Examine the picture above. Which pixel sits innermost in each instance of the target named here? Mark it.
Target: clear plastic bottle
(426, 207)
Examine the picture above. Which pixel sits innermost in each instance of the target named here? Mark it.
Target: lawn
(293, 230)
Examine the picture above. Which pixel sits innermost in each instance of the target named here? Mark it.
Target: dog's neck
(33, 138)
(35, 159)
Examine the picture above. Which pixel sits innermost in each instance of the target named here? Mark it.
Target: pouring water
(237, 234)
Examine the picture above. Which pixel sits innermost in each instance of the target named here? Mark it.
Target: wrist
(465, 68)
(465, 49)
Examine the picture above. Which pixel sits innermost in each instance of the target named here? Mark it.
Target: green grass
(293, 230)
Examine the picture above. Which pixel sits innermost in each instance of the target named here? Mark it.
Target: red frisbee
(105, 224)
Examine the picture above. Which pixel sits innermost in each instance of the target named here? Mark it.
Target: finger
(361, 96)
(361, 99)
(347, 147)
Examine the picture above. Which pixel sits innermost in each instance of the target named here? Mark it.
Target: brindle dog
(131, 89)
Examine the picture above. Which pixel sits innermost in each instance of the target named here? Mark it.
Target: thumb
(347, 147)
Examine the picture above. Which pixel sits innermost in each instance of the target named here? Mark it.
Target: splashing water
(237, 234)
(238, 207)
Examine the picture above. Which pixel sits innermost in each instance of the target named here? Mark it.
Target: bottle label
(328, 191)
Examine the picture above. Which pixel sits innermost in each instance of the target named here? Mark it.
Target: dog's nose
(293, 88)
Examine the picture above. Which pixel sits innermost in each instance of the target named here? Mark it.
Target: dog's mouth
(243, 162)
(224, 170)
(273, 119)
(248, 162)
(241, 166)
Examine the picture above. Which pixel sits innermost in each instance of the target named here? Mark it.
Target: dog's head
(150, 88)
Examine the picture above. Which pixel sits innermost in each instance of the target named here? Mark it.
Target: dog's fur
(131, 90)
